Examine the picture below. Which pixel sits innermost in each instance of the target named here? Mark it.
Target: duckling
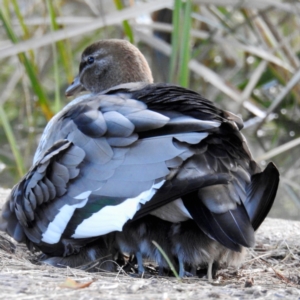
(95, 256)
(131, 148)
(137, 238)
(194, 248)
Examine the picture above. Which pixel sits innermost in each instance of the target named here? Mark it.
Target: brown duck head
(108, 63)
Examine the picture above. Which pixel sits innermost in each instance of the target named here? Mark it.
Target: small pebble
(249, 282)
(214, 295)
(257, 294)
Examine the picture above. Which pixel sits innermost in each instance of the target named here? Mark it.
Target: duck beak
(75, 87)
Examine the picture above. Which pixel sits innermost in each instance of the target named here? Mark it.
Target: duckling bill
(133, 148)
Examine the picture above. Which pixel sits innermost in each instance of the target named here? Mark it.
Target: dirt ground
(270, 271)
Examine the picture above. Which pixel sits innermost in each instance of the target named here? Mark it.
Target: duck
(129, 148)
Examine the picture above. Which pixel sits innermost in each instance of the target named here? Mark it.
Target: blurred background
(243, 55)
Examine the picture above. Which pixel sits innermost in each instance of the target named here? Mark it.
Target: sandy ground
(271, 271)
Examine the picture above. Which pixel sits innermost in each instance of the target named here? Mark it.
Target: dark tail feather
(261, 194)
(231, 229)
(174, 189)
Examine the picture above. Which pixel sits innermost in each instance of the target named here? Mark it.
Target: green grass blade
(26, 33)
(185, 54)
(12, 142)
(4, 16)
(57, 98)
(175, 41)
(30, 69)
(127, 28)
(21, 19)
(64, 50)
(163, 253)
(128, 31)
(53, 25)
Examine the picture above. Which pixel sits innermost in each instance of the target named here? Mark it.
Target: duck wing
(98, 161)
(128, 151)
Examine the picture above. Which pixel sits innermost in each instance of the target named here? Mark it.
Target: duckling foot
(210, 271)
(187, 274)
(139, 258)
(182, 271)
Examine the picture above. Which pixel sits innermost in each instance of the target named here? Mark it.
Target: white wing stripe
(55, 228)
(113, 218)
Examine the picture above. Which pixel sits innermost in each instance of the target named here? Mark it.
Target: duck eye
(90, 60)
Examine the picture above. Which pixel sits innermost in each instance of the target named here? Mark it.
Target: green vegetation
(163, 253)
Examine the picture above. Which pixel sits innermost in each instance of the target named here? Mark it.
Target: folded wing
(117, 156)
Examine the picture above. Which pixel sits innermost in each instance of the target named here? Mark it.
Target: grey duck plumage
(134, 148)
